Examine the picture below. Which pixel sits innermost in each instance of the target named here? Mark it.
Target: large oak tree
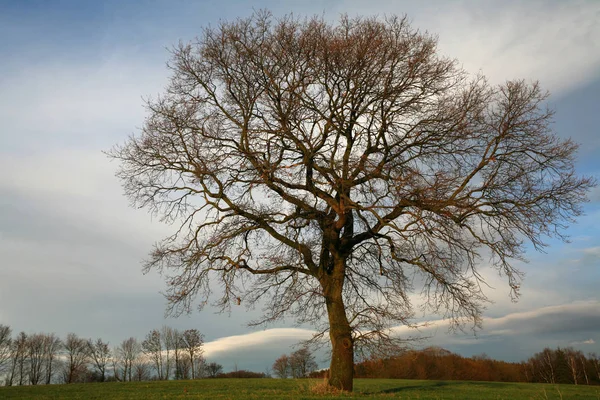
(332, 169)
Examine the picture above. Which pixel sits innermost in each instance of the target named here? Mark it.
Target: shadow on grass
(413, 387)
(439, 384)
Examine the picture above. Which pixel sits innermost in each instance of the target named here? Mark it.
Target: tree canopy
(334, 169)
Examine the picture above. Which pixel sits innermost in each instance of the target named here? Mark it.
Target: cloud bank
(559, 325)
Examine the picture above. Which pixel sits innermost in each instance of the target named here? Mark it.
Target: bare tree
(577, 364)
(158, 346)
(213, 369)
(584, 365)
(152, 347)
(129, 351)
(141, 369)
(281, 367)
(100, 355)
(52, 347)
(76, 359)
(572, 362)
(17, 375)
(5, 347)
(595, 360)
(118, 365)
(326, 168)
(177, 352)
(185, 367)
(169, 337)
(193, 341)
(35, 355)
(199, 366)
(544, 365)
(302, 363)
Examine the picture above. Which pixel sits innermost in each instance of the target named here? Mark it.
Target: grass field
(245, 389)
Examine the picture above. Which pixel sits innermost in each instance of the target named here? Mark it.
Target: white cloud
(592, 251)
(594, 195)
(533, 329)
(271, 338)
(543, 320)
(527, 320)
(584, 258)
(589, 341)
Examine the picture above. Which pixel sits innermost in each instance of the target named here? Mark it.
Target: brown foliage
(439, 364)
(548, 366)
(281, 367)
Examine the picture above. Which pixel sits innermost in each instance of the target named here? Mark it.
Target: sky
(73, 75)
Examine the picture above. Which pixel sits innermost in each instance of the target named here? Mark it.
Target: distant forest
(561, 365)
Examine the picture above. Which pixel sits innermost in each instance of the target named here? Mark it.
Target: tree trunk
(341, 370)
(192, 364)
(49, 372)
(583, 366)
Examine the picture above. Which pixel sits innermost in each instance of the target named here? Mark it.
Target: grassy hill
(246, 389)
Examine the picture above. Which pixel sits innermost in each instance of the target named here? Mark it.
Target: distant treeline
(167, 353)
(163, 354)
(242, 373)
(548, 366)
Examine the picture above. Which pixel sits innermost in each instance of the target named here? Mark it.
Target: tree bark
(341, 369)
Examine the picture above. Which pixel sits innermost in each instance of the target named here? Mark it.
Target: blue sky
(72, 78)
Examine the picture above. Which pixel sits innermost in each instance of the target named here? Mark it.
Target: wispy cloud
(273, 338)
(589, 341)
(560, 322)
(554, 42)
(592, 251)
(580, 315)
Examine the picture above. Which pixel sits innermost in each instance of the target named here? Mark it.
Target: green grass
(246, 389)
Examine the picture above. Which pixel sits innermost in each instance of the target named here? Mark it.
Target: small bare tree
(185, 367)
(584, 366)
(302, 363)
(178, 352)
(100, 355)
(35, 355)
(17, 375)
(192, 341)
(169, 338)
(213, 369)
(118, 365)
(76, 359)
(152, 347)
(595, 360)
(128, 353)
(281, 367)
(141, 369)
(5, 346)
(545, 365)
(327, 168)
(52, 347)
